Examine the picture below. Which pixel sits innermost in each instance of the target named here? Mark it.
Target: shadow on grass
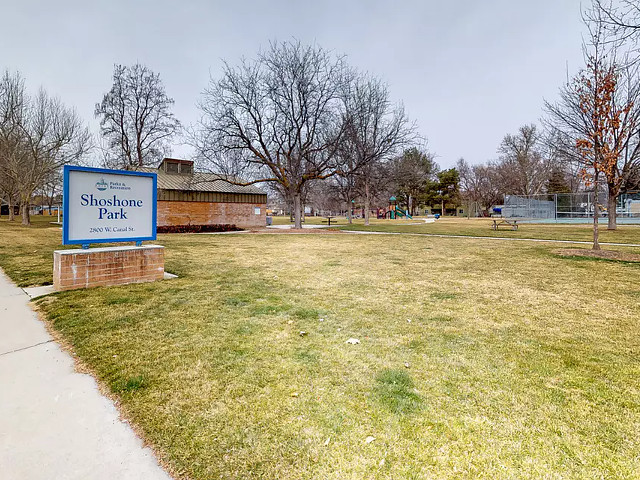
(585, 258)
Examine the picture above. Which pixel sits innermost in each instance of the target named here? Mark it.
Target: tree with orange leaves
(588, 122)
(597, 120)
(605, 134)
(598, 131)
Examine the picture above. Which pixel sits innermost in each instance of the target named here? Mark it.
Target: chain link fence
(569, 207)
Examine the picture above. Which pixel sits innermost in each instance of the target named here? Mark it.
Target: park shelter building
(187, 197)
(4, 208)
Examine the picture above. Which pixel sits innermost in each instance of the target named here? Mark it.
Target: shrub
(197, 228)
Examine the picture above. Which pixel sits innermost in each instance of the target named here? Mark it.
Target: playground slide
(402, 214)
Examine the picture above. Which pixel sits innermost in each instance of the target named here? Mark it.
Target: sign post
(107, 206)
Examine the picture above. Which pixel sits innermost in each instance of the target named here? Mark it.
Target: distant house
(186, 197)
(451, 209)
(4, 208)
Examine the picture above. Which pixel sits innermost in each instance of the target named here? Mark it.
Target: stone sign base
(95, 267)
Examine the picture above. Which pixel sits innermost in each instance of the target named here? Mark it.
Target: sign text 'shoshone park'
(105, 206)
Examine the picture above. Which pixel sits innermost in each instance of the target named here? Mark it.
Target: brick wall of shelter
(107, 266)
(242, 215)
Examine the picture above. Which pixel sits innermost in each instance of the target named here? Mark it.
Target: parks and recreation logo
(102, 185)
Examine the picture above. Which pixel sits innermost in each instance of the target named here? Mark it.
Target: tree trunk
(349, 219)
(12, 214)
(596, 213)
(612, 216)
(26, 218)
(443, 208)
(367, 203)
(297, 210)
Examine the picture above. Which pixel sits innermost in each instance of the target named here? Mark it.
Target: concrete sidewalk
(54, 423)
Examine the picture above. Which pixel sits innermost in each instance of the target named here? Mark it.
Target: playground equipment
(394, 212)
(400, 213)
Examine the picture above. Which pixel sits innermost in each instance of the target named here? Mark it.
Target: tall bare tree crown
(38, 135)
(136, 121)
(285, 116)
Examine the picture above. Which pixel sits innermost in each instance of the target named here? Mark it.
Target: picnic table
(328, 220)
(499, 222)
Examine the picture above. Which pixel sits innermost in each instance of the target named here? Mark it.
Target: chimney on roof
(176, 165)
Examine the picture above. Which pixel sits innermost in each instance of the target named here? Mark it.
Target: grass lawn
(482, 227)
(26, 253)
(521, 363)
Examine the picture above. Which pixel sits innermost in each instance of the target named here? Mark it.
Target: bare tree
(490, 191)
(39, 137)
(602, 105)
(633, 182)
(620, 19)
(564, 157)
(12, 148)
(321, 196)
(136, 121)
(343, 185)
(523, 165)
(470, 185)
(277, 119)
(480, 185)
(279, 191)
(375, 131)
(523, 168)
(375, 182)
(54, 136)
(51, 190)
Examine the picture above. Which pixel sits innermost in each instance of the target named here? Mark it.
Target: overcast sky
(467, 71)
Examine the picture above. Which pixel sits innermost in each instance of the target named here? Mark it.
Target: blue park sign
(103, 206)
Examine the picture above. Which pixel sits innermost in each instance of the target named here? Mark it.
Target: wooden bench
(499, 222)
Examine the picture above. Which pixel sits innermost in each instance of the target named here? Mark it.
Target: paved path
(291, 227)
(54, 423)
